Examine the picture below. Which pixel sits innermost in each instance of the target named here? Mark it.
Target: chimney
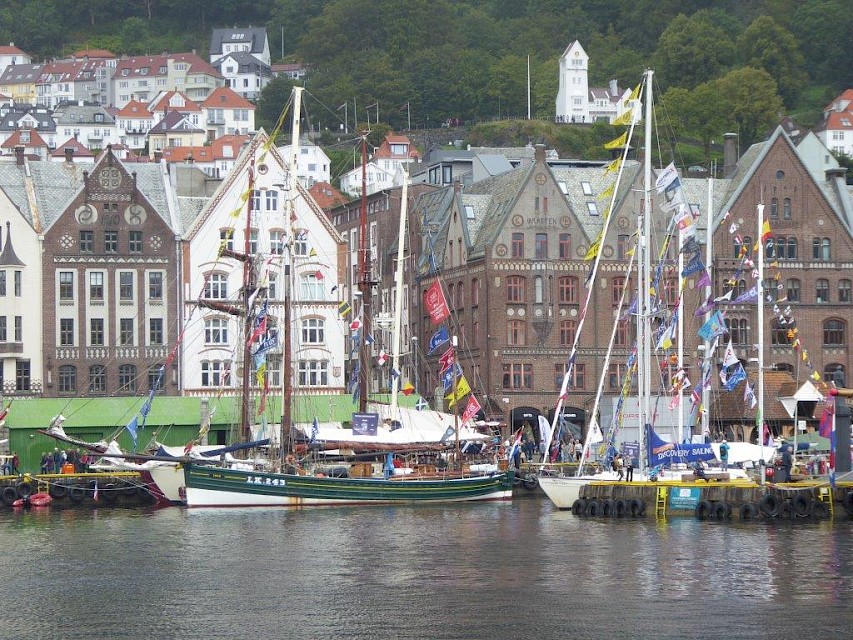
(19, 155)
(539, 153)
(69, 155)
(729, 154)
(158, 156)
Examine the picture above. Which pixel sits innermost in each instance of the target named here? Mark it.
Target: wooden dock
(86, 490)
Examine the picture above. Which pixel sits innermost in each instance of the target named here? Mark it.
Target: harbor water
(502, 570)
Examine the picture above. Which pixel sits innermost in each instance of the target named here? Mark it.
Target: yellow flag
(462, 389)
(608, 192)
(815, 376)
(617, 143)
(312, 253)
(613, 166)
(593, 250)
(625, 119)
(635, 94)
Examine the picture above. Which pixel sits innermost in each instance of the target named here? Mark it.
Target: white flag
(730, 358)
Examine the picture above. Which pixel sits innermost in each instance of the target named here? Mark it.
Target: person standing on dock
(724, 455)
(629, 470)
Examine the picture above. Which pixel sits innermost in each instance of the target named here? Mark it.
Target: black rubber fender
(704, 509)
(531, 481)
(722, 511)
(8, 495)
(579, 507)
(641, 510)
(607, 508)
(786, 511)
(770, 505)
(847, 502)
(800, 504)
(76, 494)
(593, 508)
(24, 489)
(619, 508)
(818, 510)
(58, 491)
(748, 511)
(634, 508)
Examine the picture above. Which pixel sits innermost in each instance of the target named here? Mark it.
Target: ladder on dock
(660, 503)
(824, 494)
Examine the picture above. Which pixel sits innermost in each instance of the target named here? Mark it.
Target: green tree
(292, 16)
(749, 100)
(695, 113)
(823, 28)
(691, 51)
(767, 45)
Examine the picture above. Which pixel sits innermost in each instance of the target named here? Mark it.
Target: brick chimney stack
(69, 155)
(19, 155)
(729, 154)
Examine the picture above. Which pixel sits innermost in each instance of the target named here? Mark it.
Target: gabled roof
(163, 102)
(208, 153)
(21, 73)
(326, 195)
(730, 406)
(15, 140)
(244, 59)
(135, 109)
(72, 143)
(226, 98)
(748, 165)
(256, 36)
(385, 151)
(102, 54)
(174, 121)
(81, 114)
(11, 50)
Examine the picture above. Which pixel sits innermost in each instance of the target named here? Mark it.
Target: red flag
(471, 409)
(436, 304)
(446, 359)
(825, 428)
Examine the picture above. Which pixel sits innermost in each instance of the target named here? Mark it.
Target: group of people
(10, 465)
(623, 468)
(53, 462)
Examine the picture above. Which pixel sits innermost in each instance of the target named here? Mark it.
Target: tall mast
(759, 419)
(287, 349)
(644, 346)
(705, 416)
(364, 284)
(398, 300)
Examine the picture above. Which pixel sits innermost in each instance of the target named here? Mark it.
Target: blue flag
(715, 326)
(735, 377)
(131, 429)
(438, 338)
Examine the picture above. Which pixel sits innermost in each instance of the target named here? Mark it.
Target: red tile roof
(15, 140)
(207, 153)
(326, 195)
(102, 54)
(11, 50)
(153, 64)
(226, 98)
(72, 143)
(161, 103)
(134, 109)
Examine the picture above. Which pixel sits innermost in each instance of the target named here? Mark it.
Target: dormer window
(587, 188)
(162, 70)
(125, 72)
(144, 71)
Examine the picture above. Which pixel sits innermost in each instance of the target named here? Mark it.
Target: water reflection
(467, 571)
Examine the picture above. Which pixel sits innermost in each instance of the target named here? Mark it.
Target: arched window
(791, 254)
(475, 292)
(671, 291)
(834, 333)
(517, 245)
(778, 333)
(538, 290)
(97, 379)
(567, 290)
(127, 378)
(216, 286)
(822, 290)
(738, 330)
(460, 295)
(616, 288)
(565, 246)
(67, 379)
(774, 208)
(793, 289)
(515, 289)
(312, 287)
(741, 288)
(844, 290)
(516, 333)
(216, 331)
(313, 331)
(786, 209)
(821, 249)
(568, 329)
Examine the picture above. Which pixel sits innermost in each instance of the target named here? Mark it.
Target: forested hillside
(724, 64)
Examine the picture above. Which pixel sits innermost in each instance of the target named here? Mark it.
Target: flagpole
(346, 116)
(409, 114)
(398, 301)
(455, 343)
(644, 340)
(528, 87)
(759, 422)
